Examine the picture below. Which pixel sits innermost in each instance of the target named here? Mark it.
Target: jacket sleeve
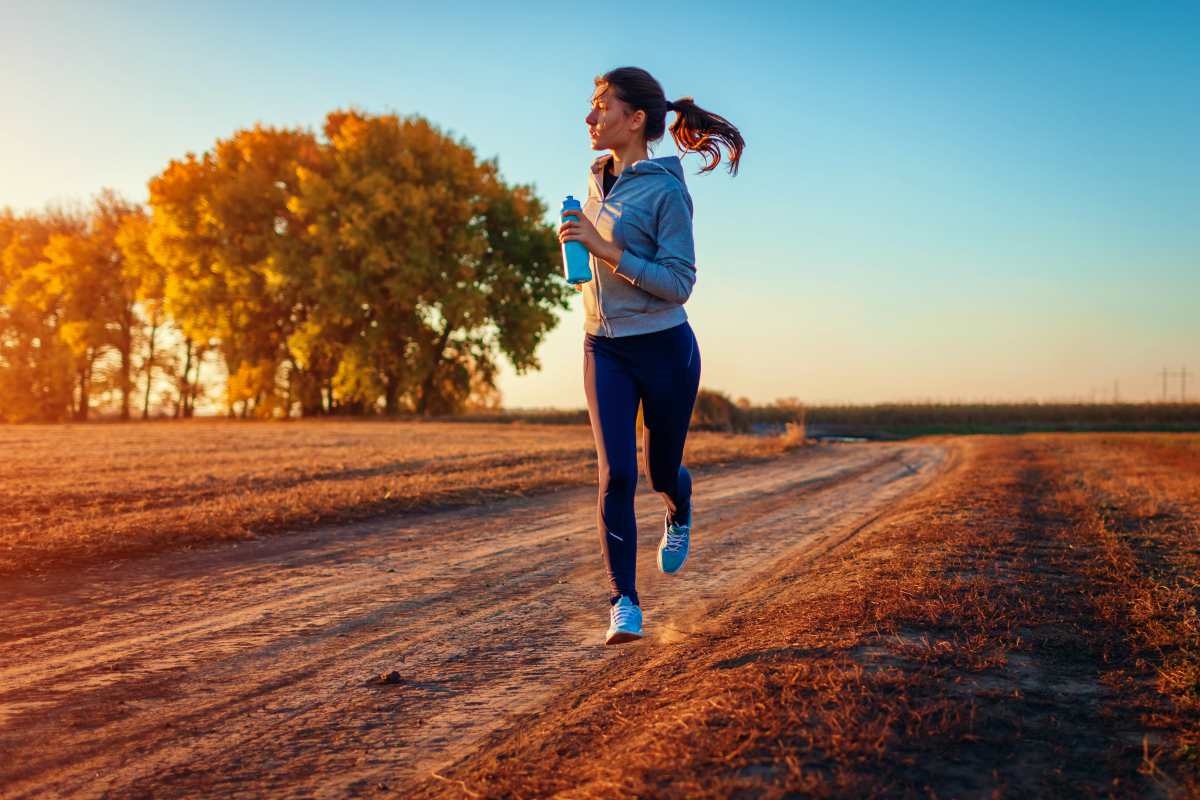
(671, 274)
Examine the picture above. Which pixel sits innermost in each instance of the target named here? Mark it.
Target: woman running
(638, 345)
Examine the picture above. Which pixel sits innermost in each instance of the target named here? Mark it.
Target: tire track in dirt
(244, 670)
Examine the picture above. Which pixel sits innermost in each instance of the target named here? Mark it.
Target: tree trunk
(310, 393)
(85, 385)
(81, 410)
(126, 347)
(391, 394)
(195, 387)
(150, 370)
(181, 403)
(427, 384)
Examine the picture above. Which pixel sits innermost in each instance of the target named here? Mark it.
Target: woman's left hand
(578, 228)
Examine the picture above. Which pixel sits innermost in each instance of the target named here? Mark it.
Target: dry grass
(73, 493)
(1140, 510)
(1025, 626)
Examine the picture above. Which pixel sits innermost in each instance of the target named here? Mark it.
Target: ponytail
(694, 128)
(703, 131)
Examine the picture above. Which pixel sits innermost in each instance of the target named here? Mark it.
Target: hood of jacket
(668, 165)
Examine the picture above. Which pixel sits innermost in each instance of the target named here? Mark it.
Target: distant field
(82, 492)
(901, 420)
(897, 420)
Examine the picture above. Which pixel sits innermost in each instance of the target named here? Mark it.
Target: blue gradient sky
(953, 201)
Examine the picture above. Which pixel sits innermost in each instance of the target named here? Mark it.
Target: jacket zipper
(599, 299)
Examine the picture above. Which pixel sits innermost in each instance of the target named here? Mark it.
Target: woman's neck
(630, 154)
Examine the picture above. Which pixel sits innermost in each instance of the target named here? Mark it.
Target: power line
(1182, 374)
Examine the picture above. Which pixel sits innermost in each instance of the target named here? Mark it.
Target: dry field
(250, 669)
(1024, 627)
(985, 616)
(77, 493)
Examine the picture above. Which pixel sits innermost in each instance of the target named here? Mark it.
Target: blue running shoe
(673, 547)
(625, 622)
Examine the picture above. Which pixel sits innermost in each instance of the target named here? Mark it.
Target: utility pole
(1115, 392)
(1182, 374)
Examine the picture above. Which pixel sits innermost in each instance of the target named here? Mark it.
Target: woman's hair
(694, 128)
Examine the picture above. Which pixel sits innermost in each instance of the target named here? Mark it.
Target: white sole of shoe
(620, 637)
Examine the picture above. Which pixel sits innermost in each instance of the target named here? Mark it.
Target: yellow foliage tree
(426, 265)
(36, 365)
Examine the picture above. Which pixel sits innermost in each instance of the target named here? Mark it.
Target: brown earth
(72, 494)
(1024, 627)
(251, 668)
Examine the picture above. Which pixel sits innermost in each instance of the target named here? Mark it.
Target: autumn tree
(36, 364)
(221, 224)
(426, 264)
(385, 267)
(148, 279)
(86, 271)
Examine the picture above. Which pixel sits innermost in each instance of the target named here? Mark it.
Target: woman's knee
(667, 479)
(619, 480)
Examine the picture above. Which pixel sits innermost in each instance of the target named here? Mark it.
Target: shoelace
(622, 615)
(676, 540)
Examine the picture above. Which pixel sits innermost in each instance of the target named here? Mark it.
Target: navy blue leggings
(662, 371)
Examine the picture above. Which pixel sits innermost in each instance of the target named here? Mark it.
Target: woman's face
(610, 124)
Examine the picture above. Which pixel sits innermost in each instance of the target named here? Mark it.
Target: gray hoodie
(648, 214)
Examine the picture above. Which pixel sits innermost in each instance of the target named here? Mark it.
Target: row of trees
(382, 267)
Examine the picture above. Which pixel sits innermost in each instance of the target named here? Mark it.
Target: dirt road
(251, 669)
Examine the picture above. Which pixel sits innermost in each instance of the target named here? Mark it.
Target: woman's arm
(671, 273)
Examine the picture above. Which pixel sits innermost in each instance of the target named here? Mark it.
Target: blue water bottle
(575, 255)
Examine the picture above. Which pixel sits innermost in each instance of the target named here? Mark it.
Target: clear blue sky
(956, 201)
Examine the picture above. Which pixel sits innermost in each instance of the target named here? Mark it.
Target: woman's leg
(670, 381)
(612, 399)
